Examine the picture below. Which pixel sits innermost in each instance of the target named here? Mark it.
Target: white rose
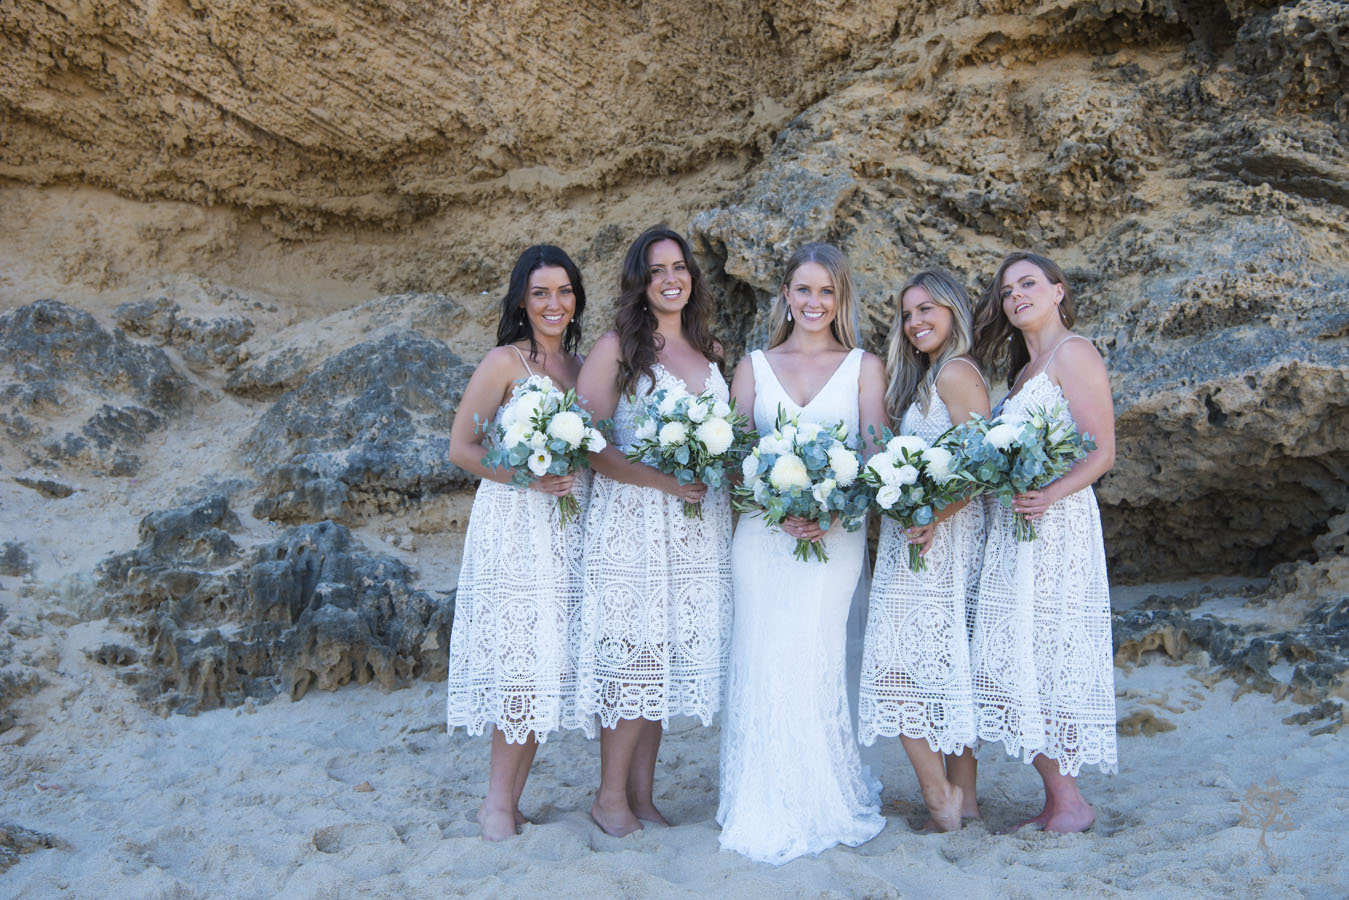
(716, 435)
(646, 430)
(906, 474)
(721, 409)
(822, 491)
(537, 440)
(673, 433)
(1002, 435)
(568, 426)
(750, 467)
(539, 463)
(887, 496)
(808, 432)
(669, 402)
(595, 441)
(910, 442)
(510, 414)
(698, 411)
(774, 445)
(788, 435)
(939, 463)
(844, 463)
(789, 472)
(515, 433)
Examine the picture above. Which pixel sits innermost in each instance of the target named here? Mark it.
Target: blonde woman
(791, 779)
(1043, 669)
(915, 658)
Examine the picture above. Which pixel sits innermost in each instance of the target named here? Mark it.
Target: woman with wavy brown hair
(656, 606)
(1041, 657)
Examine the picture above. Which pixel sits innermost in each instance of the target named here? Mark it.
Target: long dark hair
(635, 323)
(997, 342)
(514, 324)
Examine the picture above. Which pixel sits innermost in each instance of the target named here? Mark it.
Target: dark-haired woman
(1043, 676)
(657, 596)
(512, 661)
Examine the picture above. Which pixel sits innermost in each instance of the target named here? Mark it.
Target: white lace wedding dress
(656, 610)
(517, 616)
(791, 780)
(1043, 670)
(916, 655)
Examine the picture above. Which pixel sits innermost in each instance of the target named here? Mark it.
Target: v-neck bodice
(835, 401)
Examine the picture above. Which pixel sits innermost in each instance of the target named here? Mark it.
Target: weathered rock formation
(212, 625)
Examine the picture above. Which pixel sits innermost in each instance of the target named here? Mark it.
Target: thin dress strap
(528, 370)
(1052, 353)
(966, 362)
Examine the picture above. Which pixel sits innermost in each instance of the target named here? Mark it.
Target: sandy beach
(359, 793)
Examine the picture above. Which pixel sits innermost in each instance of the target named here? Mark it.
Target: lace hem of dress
(1072, 744)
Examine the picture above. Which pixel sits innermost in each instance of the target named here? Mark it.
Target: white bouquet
(543, 431)
(691, 438)
(804, 470)
(913, 481)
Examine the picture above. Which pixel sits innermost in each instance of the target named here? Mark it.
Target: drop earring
(789, 314)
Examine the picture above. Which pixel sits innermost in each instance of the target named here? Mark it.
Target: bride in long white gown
(791, 779)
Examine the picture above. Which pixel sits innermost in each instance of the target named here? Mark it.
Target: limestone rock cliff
(200, 201)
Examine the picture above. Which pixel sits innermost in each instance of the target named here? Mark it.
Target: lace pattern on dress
(1043, 668)
(916, 657)
(657, 590)
(517, 616)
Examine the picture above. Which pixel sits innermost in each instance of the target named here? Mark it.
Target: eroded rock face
(367, 432)
(212, 625)
(204, 342)
(73, 393)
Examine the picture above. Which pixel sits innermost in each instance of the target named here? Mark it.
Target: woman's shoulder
(1077, 352)
(960, 372)
(606, 346)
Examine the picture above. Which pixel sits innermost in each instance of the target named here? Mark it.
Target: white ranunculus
(698, 410)
(721, 409)
(673, 434)
(844, 463)
(527, 405)
(716, 435)
(807, 432)
(595, 441)
(910, 442)
(887, 496)
(646, 430)
(568, 426)
(1002, 435)
(669, 402)
(906, 474)
(939, 463)
(539, 462)
(789, 472)
(515, 433)
(881, 463)
(822, 491)
(537, 440)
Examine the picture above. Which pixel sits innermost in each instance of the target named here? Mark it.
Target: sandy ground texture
(360, 793)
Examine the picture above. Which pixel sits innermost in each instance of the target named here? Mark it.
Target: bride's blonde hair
(912, 375)
(844, 326)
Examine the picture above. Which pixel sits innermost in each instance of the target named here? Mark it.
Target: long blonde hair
(912, 375)
(844, 326)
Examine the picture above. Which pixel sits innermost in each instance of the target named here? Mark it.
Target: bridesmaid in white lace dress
(915, 660)
(512, 663)
(657, 597)
(791, 779)
(1043, 668)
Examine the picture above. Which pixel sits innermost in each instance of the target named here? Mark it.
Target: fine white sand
(266, 801)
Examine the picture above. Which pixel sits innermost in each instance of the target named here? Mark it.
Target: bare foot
(1037, 822)
(618, 822)
(497, 825)
(1071, 820)
(520, 820)
(647, 812)
(945, 810)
